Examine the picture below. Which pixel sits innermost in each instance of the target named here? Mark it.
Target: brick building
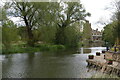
(97, 37)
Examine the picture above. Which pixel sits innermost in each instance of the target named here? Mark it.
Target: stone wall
(113, 55)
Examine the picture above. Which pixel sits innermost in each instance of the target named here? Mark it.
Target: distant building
(90, 36)
(97, 37)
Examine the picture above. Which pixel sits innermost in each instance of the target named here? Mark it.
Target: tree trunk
(30, 40)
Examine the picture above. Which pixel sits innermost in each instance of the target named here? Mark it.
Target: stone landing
(99, 63)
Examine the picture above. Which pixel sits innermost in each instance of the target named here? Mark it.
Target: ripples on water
(67, 64)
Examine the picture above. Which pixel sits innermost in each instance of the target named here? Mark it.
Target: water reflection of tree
(31, 57)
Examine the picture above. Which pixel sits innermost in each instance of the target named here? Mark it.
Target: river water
(65, 64)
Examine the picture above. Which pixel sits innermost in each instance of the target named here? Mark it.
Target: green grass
(22, 48)
(49, 47)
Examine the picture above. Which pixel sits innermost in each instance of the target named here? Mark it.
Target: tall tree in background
(48, 22)
(111, 31)
(87, 33)
(70, 13)
(117, 28)
(109, 34)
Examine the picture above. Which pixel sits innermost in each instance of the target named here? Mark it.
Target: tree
(69, 14)
(109, 33)
(73, 35)
(34, 15)
(117, 28)
(9, 34)
(28, 13)
(2, 14)
(87, 33)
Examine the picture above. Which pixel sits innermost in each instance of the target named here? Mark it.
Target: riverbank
(23, 48)
(103, 64)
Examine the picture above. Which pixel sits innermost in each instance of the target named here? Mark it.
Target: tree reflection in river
(65, 64)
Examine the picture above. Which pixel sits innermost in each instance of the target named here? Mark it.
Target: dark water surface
(67, 64)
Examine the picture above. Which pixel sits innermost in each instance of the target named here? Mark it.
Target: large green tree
(109, 33)
(28, 13)
(73, 35)
(34, 15)
(117, 28)
(69, 13)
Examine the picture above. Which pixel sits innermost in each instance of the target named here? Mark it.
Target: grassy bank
(23, 48)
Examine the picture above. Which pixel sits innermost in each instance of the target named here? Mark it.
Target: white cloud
(97, 10)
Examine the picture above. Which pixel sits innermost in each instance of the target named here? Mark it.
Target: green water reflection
(65, 64)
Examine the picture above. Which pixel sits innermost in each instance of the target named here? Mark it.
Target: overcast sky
(97, 10)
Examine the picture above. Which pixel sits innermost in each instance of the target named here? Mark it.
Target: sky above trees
(100, 11)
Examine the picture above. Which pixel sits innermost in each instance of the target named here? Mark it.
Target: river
(65, 64)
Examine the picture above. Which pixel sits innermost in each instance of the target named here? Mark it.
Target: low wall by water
(109, 69)
(101, 63)
(113, 55)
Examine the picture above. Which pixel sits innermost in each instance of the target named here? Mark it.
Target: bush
(56, 47)
(47, 34)
(50, 47)
(72, 34)
(10, 33)
(23, 48)
(113, 49)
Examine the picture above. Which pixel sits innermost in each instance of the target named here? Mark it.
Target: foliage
(45, 15)
(74, 12)
(72, 34)
(22, 33)
(0, 39)
(109, 34)
(30, 13)
(87, 33)
(113, 49)
(43, 22)
(23, 48)
(48, 34)
(50, 47)
(3, 14)
(9, 34)
(117, 19)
